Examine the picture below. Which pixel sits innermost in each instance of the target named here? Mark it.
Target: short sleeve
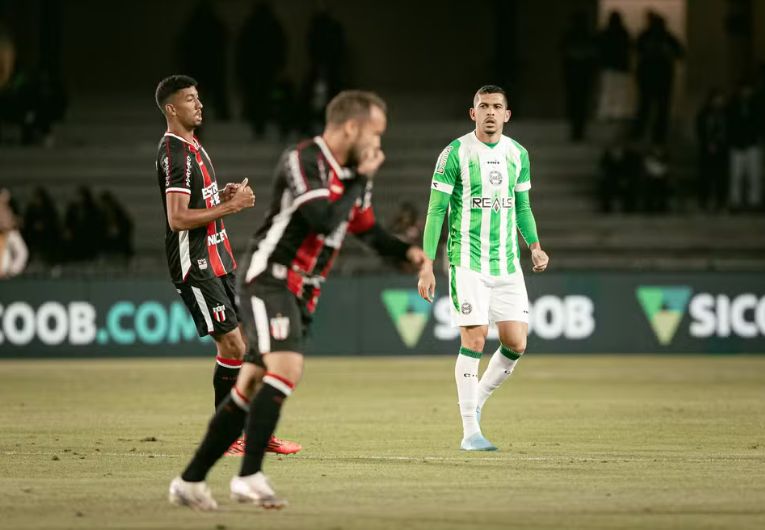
(175, 160)
(447, 169)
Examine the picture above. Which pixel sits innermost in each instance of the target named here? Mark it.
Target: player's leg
(509, 309)
(469, 303)
(283, 370)
(189, 489)
(512, 337)
(276, 332)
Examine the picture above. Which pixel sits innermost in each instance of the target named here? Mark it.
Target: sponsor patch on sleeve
(442, 159)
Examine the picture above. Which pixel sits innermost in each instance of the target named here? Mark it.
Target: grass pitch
(585, 442)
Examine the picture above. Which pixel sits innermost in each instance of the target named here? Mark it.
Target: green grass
(586, 442)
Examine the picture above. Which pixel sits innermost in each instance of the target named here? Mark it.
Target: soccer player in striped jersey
(198, 250)
(322, 191)
(483, 179)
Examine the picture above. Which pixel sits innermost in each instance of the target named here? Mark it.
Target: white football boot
(195, 495)
(256, 489)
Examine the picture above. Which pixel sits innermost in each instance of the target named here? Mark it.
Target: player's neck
(336, 145)
(179, 130)
(488, 138)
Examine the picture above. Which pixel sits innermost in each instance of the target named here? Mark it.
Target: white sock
(466, 375)
(500, 367)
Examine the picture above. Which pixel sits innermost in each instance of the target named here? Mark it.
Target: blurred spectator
(202, 46)
(117, 228)
(615, 84)
(745, 130)
(407, 224)
(42, 227)
(83, 227)
(656, 180)
(31, 101)
(621, 169)
(13, 251)
(657, 51)
(579, 61)
(408, 227)
(712, 135)
(261, 55)
(327, 50)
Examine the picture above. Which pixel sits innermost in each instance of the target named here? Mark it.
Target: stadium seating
(114, 148)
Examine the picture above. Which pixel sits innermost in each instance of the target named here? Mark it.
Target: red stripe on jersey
(228, 247)
(361, 220)
(212, 250)
(310, 305)
(295, 283)
(308, 253)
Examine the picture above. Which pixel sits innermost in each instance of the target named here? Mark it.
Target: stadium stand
(113, 148)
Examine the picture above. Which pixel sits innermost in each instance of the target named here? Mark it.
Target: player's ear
(351, 128)
(169, 109)
(472, 113)
(507, 115)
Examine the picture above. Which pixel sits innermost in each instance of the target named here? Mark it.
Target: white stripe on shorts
(261, 324)
(203, 308)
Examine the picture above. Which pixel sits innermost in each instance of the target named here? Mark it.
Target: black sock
(224, 377)
(264, 415)
(225, 427)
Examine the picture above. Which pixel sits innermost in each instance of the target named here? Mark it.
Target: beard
(354, 156)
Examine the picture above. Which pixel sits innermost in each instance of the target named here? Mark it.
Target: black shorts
(273, 318)
(212, 303)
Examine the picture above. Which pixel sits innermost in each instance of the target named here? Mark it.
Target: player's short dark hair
(169, 86)
(490, 89)
(350, 104)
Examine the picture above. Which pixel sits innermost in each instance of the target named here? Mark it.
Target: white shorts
(478, 299)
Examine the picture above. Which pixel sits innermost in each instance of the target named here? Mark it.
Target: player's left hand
(229, 191)
(415, 255)
(540, 259)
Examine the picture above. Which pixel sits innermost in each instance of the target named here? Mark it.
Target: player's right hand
(426, 284)
(371, 160)
(243, 198)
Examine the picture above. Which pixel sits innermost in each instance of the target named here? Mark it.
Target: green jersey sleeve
(444, 176)
(524, 179)
(524, 218)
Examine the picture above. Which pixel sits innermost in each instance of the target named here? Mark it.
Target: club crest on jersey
(495, 177)
(219, 313)
(202, 264)
(466, 308)
(280, 327)
(441, 164)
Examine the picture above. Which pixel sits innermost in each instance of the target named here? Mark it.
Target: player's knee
(474, 343)
(231, 346)
(516, 344)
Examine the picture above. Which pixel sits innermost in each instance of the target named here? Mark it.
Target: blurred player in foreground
(322, 190)
(483, 179)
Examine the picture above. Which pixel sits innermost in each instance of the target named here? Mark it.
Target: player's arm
(444, 177)
(181, 217)
(174, 160)
(312, 195)
(524, 217)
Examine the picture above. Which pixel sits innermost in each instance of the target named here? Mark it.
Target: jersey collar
(341, 172)
(195, 145)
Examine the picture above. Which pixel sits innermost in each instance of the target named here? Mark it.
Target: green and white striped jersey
(482, 182)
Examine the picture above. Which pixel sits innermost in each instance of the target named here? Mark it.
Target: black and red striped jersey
(204, 252)
(315, 203)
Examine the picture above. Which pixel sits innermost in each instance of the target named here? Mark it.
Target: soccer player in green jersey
(483, 179)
